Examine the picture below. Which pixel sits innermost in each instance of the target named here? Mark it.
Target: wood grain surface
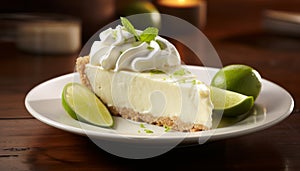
(235, 30)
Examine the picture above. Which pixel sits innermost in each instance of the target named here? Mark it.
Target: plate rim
(216, 135)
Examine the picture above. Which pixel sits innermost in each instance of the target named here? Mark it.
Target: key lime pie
(138, 75)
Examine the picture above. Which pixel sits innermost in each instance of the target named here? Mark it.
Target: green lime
(231, 103)
(83, 105)
(238, 78)
(150, 15)
(139, 7)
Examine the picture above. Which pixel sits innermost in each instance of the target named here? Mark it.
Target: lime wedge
(83, 105)
(231, 103)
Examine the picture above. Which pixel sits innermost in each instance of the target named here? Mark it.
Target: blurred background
(214, 17)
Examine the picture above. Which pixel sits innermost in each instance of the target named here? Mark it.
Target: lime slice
(83, 105)
(231, 103)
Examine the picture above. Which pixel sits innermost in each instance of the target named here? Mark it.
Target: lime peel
(231, 103)
(83, 105)
(238, 78)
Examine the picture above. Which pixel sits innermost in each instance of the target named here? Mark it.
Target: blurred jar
(42, 33)
(48, 34)
(94, 14)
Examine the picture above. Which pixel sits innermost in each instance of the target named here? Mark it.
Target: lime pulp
(230, 103)
(83, 105)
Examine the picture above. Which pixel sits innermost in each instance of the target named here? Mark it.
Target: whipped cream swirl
(118, 50)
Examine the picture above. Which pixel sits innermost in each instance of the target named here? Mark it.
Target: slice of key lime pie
(138, 76)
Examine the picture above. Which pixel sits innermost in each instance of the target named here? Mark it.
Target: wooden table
(234, 29)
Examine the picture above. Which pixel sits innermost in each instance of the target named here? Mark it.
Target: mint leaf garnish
(135, 44)
(149, 34)
(129, 27)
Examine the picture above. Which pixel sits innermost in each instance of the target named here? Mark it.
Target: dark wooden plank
(235, 30)
(28, 144)
(20, 72)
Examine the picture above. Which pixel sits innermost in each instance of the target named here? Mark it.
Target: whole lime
(150, 16)
(138, 7)
(238, 78)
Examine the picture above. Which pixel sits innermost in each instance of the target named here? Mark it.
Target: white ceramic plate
(272, 106)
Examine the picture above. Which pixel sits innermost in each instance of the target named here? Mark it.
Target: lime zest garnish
(180, 72)
(194, 82)
(154, 71)
(167, 129)
(182, 81)
(114, 33)
(161, 44)
(150, 48)
(148, 131)
(142, 125)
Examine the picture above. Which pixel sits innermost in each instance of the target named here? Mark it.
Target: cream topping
(118, 50)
